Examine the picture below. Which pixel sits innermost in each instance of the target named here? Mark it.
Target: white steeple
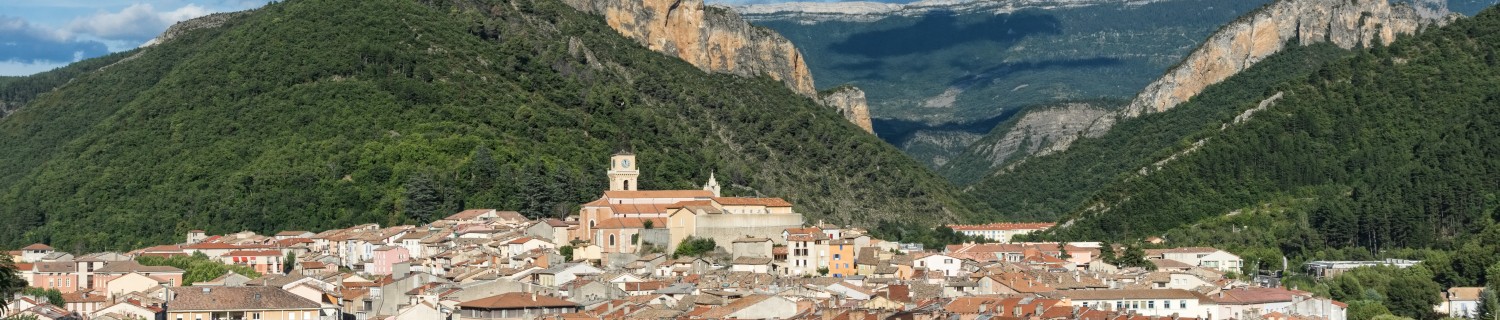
(712, 185)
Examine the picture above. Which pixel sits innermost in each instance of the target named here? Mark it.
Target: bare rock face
(1239, 45)
(1041, 132)
(711, 38)
(850, 102)
(204, 22)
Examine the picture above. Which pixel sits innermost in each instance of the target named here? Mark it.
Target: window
(836, 257)
(1119, 305)
(1166, 304)
(1182, 303)
(179, 317)
(611, 240)
(1151, 304)
(307, 315)
(255, 316)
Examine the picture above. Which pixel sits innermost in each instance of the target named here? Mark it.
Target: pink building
(385, 257)
(263, 261)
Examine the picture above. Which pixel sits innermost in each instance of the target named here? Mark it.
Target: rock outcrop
(1234, 48)
(716, 39)
(712, 38)
(1237, 46)
(850, 102)
(204, 22)
(1039, 132)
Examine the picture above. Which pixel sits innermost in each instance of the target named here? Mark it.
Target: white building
(946, 264)
(1200, 256)
(1461, 302)
(1000, 231)
(1146, 302)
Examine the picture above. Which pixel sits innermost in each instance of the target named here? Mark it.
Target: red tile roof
(37, 246)
(1004, 226)
(658, 194)
(1240, 296)
(630, 223)
(254, 253)
(769, 202)
(517, 300)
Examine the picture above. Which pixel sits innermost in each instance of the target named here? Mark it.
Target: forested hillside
(1394, 146)
(321, 113)
(1044, 188)
(939, 78)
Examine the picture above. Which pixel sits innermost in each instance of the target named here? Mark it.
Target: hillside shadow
(1005, 69)
(939, 30)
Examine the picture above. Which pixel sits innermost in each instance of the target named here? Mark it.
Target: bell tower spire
(623, 173)
(712, 185)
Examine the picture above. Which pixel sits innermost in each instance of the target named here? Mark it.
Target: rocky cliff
(1033, 133)
(850, 102)
(716, 39)
(713, 39)
(1240, 44)
(1234, 48)
(1042, 132)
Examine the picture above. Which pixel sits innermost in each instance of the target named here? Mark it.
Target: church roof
(769, 202)
(705, 194)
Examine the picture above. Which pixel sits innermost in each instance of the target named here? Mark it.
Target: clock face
(625, 164)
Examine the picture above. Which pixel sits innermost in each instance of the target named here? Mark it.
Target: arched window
(627, 185)
(591, 223)
(611, 240)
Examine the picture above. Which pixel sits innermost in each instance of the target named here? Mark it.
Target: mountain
(1231, 50)
(312, 114)
(941, 74)
(1390, 148)
(715, 40)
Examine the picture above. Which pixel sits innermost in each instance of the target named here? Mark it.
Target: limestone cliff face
(1250, 39)
(713, 39)
(208, 21)
(1038, 133)
(850, 102)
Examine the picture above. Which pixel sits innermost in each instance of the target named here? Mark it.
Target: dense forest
(1044, 188)
(1388, 152)
(326, 113)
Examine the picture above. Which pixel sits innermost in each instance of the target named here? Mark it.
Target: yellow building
(701, 213)
(241, 303)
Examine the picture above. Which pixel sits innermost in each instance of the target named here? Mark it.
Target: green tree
(486, 172)
(53, 296)
(648, 224)
(423, 198)
(823, 271)
(566, 252)
(696, 247)
(1366, 310)
(1488, 302)
(1413, 293)
(10, 280)
(1062, 250)
(289, 262)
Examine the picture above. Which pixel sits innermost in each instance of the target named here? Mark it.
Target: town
(656, 254)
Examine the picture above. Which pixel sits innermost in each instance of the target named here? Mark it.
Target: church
(623, 217)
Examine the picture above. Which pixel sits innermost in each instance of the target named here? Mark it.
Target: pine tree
(10, 281)
(423, 198)
(289, 263)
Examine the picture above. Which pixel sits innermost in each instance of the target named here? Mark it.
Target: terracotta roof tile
(769, 202)
(238, 298)
(517, 300)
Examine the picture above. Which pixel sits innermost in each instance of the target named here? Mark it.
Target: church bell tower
(623, 172)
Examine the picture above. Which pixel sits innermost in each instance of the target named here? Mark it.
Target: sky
(40, 35)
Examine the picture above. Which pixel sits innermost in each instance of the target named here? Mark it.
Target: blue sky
(39, 35)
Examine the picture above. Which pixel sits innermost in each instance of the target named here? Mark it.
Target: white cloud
(138, 22)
